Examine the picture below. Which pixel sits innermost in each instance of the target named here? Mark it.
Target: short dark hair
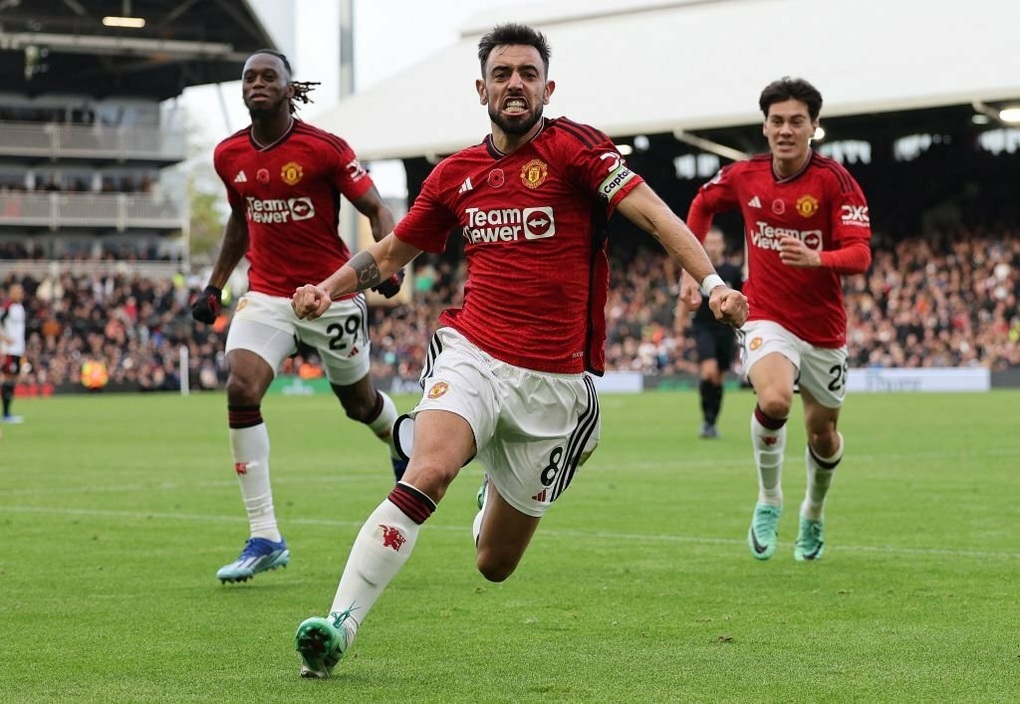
(513, 33)
(301, 88)
(787, 88)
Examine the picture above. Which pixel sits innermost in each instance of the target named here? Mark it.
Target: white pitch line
(550, 532)
(475, 470)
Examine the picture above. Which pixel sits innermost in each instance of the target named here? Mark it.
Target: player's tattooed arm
(366, 269)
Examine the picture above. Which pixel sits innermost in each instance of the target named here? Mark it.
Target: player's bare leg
(443, 443)
(502, 534)
(772, 377)
(822, 456)
(363, 403)
(250, 376)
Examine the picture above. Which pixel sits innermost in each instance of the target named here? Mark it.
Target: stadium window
(999, 141)
(910, 147)
(848, 151)
(690, 166)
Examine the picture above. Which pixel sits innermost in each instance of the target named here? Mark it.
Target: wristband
(710, 282)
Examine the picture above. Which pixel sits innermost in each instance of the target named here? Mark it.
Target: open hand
(793, 252)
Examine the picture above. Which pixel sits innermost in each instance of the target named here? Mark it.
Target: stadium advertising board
(924, 379)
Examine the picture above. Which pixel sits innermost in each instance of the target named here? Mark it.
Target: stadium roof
(63, 46)
(651, 67)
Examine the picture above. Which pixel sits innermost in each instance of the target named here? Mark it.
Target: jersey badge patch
(262, 176)
(438, 389)
(291, 173)
(534, 173)
(807, 205)
(496, 178)
(778, 206)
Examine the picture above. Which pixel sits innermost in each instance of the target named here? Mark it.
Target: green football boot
(321, 643)
(810, 540)
(763, 534)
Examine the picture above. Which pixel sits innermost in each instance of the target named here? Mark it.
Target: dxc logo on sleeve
(856, 215)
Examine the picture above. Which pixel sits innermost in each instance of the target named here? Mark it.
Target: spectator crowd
(943, 300)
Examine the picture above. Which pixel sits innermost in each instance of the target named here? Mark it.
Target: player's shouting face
(515, 88)
(265, 86)
(789, 128)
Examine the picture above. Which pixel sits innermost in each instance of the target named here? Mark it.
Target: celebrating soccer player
(507, 380)
(284, 179)
(806, 224)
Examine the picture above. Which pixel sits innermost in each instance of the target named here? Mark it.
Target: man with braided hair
(284, 179)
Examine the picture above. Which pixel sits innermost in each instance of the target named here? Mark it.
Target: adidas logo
(754, 203)
(466, 186)
(240, 178)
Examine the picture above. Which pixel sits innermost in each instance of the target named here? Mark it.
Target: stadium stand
(92, 233)
(88, 221)
(83, 134)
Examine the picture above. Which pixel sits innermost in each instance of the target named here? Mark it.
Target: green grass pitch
(115, 513)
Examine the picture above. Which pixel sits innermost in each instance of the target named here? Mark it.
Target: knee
(825, 443)
(358, 407)
(242, 391)
(359, 411)
(493, 567)
(775, 404)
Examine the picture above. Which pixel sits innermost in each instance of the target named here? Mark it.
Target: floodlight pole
(346, 48)
(348, 215)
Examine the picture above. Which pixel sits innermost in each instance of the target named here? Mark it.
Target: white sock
(382, 547)
(250, 447)
(382, 426)
(769, 446)
(819, 479)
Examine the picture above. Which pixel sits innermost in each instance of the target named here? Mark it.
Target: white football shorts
(533, 430)
(820, 370)
(267, 326)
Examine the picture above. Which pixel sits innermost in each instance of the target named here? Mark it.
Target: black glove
(206, 306)
(391, 286)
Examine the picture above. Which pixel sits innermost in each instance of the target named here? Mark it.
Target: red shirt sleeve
(429, 222)
(851, 226)
(699, 217)
(598, 164)
(349, 175)
(713, 197)
(853, 258)
(233, 197)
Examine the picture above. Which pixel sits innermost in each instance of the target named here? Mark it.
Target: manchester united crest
(755, 343)
(807, 205)
(438, 389)
(291, 173)
(534, 173)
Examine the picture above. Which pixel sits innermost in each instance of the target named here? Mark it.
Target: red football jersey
(822, 206)
(289, 193)
(534, 224)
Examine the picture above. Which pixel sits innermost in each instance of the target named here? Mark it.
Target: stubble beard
(518, 125)
(267, 112)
